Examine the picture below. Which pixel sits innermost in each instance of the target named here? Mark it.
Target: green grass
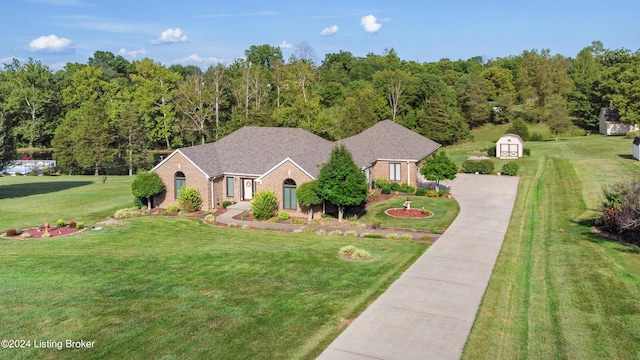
(157, 287)
(445, 211)
(27, 201)
(559, 290)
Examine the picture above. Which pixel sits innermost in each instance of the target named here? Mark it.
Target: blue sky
(204, 32)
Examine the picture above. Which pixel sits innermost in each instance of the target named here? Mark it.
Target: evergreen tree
(341, 182)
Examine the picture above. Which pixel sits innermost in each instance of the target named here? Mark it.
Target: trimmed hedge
(510, 169)
(478, 166)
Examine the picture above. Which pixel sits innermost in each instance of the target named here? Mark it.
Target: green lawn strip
(27, 201)
(558, 290)
(174, 287)
(444, 210)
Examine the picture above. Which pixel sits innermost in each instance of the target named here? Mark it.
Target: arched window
(180, 182)
(289, 190)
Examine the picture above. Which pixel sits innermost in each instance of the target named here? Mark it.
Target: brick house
(252, 158)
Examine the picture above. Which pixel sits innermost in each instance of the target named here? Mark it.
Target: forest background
(111, 115)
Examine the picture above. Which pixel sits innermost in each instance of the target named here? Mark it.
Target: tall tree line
(111, 112)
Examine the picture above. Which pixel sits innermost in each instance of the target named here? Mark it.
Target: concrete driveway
(428, 312)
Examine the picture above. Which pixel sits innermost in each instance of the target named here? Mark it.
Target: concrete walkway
(428, 312)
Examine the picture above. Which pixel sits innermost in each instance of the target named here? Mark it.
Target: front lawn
(161, 287)
(444, 210)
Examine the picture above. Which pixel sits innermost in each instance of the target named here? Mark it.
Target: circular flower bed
(409, 213)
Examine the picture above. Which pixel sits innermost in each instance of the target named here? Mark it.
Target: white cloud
(195, 58)
(370, 24)
(132, 54)
(330, 30)
(171, 36)
(286, 45)
(50, 43)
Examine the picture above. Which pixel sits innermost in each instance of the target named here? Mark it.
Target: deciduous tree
(439, 167)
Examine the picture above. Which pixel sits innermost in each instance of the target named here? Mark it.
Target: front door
(247, 189)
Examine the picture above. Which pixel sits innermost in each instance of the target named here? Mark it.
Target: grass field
(170, 288)
(558, 290)
(445, 211)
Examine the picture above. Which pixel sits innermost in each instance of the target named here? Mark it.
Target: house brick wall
(194, 178)
(274, 181)
(380, 170)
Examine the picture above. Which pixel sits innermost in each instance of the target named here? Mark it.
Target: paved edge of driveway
(429, 311)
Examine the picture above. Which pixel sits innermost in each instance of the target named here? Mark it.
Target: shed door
(509, 150)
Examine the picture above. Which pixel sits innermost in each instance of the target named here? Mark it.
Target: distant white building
(610, 124)
(509, 146)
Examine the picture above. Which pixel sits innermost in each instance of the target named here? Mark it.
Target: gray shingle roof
(255, 150)
(388, 140)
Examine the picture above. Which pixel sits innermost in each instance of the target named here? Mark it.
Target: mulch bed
(53, 233)
(408, 213)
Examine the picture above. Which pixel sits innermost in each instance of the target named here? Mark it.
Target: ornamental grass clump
(264, 205)
(353, 253)
(190, 199)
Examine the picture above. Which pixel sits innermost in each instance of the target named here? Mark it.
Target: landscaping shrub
(406, 188)
(426, 237)
(393, 236)
(264, 205)
(372, 236)
(189, 199)
(421, 192)
(620, 211)
(226, 204)
(79, 225)
(347, 250)
(335, 233)
(526, 152)
(284, 216)
(443, 192)
(386, 190)
(510, 169)
(431, 193)
(477, 166)
(25, 235)
(361, 254)
(128, 213)
(351, 233)
(46, 171)
(60, 223)
(173, 208)
(383, 183)
(395, 186)
(210, 218)
(11, 232)
(406, 237)
(72, 224)
(34, 172)
(492, 151)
